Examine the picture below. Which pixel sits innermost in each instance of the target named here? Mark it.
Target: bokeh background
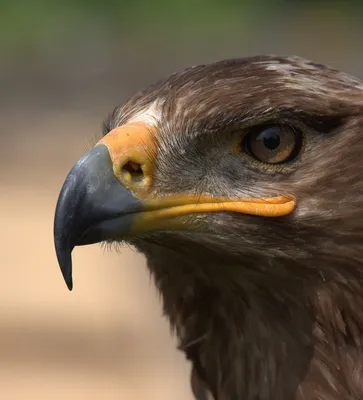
(64, 65)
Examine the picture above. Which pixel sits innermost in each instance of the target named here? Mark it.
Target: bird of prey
(241, 182)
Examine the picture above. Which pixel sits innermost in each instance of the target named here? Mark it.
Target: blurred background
(64, 65)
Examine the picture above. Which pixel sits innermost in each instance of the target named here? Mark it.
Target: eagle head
(240, 182)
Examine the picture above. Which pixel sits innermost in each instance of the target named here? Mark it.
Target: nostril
(133, 171)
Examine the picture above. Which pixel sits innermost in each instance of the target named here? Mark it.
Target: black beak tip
(66, 268)
(64, 256)
(69, 282)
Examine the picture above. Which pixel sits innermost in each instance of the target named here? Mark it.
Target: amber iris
(273, 144)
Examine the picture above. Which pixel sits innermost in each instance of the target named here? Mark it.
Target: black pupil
(270, 138)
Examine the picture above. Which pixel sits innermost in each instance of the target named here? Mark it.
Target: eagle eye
(273, 144)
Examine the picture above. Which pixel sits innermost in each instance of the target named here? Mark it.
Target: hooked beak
(108, 195)
(92, 206)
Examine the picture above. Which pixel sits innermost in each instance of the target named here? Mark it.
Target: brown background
(107, 339)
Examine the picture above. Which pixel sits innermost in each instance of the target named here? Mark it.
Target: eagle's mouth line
(174, 206)
(159, 212)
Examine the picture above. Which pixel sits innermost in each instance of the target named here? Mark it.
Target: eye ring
(273, 144)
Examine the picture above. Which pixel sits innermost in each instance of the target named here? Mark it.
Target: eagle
(241, 183)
